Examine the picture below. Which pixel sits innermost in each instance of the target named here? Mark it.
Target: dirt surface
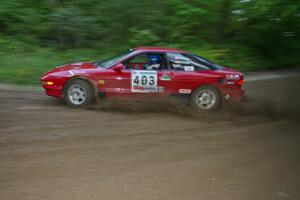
(141, 151)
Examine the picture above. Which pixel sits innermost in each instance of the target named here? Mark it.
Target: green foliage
(142, 37)
(245, 34)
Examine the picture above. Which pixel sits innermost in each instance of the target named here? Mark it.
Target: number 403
(144, 80)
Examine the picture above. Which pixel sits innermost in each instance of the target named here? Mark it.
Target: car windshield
(114, 60)
(209, 63)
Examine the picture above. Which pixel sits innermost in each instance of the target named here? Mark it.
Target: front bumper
(53, 90)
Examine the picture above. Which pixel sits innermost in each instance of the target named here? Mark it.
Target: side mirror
(118, 67)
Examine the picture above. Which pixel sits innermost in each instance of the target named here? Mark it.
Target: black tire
(83, 86)
(210, 90)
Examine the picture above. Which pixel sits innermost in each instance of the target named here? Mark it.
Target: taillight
(240, 82)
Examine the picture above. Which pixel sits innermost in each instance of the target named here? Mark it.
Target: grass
(27, 67)
(24, 64)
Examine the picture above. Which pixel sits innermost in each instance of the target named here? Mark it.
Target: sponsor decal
(232, 76)
(189, 68)
(160, 89)
(227, 96)
(143, 81)
(117, 90)
(165, 78)
(230, 82)
(185, 91)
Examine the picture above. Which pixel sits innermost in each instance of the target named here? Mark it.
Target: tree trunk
(224, 20)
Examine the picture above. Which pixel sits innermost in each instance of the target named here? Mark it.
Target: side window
(156, 61)
(147, 61)
(141, 58)
(137, 62)
(200, 63)
(182, 62)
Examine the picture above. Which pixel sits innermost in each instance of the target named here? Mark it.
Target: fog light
(49, 83)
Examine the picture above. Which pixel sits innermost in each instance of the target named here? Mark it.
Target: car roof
(159, 49)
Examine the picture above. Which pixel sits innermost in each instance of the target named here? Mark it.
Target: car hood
(76, 66)
(73, 66)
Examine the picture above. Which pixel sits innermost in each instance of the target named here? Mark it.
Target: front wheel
(78, 93)
(207, 98)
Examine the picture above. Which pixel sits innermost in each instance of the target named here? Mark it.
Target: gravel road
(146, 151)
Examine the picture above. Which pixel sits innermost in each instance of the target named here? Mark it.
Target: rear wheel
(78, 93)
(207, 98)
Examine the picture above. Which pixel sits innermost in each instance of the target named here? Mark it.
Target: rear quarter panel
(194, 80)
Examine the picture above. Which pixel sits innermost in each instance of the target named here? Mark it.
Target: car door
(140, 78)
(151, 83)
(185, 75)
(153, 78)
(117, 83)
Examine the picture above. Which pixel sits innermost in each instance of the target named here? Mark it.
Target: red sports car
(146, 72)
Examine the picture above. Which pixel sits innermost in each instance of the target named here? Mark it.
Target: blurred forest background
(37, 35)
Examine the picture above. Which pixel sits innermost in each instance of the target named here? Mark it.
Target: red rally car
(146, 72)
